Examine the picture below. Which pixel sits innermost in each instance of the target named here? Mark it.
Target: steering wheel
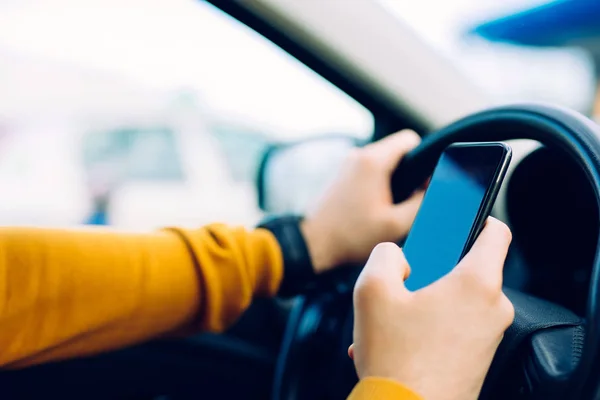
(548, 352)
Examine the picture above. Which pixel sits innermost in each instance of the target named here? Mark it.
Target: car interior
(297, 348)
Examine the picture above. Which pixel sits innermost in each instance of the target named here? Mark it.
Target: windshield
(509, 72)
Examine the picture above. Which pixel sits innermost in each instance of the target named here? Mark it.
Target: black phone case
(491, 192)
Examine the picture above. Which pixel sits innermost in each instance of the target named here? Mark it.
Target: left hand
(357, 212)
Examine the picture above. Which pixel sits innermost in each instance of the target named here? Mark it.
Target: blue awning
(558, 23)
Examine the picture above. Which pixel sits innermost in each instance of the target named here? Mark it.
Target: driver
(74, 293)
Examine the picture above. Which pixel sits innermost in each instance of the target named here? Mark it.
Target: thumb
(385, 273)
(403, 214)
(390, 150)
(488, 254)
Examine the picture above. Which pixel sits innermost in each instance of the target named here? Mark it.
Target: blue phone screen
(449, 210)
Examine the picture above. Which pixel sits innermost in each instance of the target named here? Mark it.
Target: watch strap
(298, 271)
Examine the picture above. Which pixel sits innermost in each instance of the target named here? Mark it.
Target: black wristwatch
(298, 271)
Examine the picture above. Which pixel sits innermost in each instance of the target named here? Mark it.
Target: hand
(438, 341)
(357, 211)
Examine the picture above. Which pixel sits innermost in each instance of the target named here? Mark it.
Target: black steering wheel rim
(554, 127)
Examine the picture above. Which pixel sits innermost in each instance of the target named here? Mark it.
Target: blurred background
(140, 114)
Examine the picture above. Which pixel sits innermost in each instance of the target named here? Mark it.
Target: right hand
(438, 341)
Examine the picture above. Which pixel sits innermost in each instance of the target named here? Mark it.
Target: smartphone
(457, 202)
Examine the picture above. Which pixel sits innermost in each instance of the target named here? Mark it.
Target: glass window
(139, 154)
(562, 75)
(152, 112)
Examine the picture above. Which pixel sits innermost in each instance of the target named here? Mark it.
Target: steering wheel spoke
(547, 339)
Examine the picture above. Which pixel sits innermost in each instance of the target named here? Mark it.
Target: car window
(509, 72)
(145, 113)
(140, 154)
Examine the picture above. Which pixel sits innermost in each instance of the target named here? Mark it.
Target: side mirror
(293, 176)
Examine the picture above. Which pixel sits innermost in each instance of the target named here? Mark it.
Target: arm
(67, 293)
(73, 293)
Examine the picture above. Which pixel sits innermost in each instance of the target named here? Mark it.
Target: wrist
(321, 252)
(298, 271)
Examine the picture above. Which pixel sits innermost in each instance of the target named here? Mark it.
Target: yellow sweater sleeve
(69, 293)
(382, 389)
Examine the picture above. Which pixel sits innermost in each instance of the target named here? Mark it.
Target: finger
(386, 268)
(403, 214)
(351, 351)
(426, 184)
(390, 150)
(488, 254)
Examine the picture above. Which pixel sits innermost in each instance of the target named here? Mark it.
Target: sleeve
(69, 293)
(382, 389)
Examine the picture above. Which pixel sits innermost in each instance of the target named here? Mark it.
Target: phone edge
(490, 198)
